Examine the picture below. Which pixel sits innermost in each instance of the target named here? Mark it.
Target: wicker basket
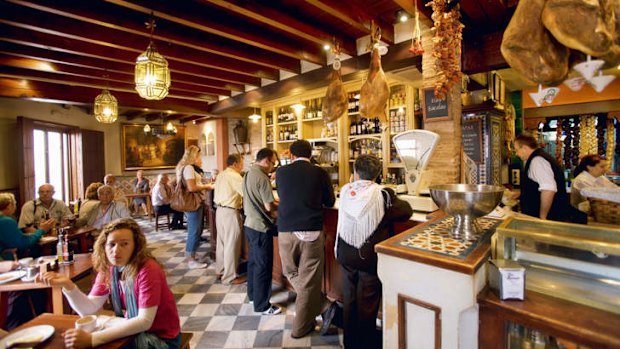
(605, 211)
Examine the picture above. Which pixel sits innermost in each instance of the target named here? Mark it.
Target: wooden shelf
(313, 119)
(287, 141)
(396, 107)
(396, 165)
(287, 123)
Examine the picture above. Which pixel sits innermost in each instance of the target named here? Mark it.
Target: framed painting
(151, 150)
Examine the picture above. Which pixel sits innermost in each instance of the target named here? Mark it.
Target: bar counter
(332, 279)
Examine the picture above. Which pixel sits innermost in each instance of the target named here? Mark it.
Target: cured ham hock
(335, 102)
(375, 91)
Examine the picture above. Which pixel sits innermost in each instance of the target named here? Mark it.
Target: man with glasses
(260, 208)
(44, 209)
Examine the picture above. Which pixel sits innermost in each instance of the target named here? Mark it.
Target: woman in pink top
(137, 285)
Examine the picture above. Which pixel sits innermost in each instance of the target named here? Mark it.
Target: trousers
(260, 266)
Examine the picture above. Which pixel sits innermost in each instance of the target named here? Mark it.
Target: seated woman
(590, 173)
(22, 306)
(160, 197)
(104, 211)
(10, 235)
(130, 275)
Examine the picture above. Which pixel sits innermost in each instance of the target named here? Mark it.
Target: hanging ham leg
(530, 50)
(584, 25)
(335, 102)
(612, 57)
(375, 91)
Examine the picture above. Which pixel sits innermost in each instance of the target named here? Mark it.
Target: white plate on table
(11, 276)
(35, 334)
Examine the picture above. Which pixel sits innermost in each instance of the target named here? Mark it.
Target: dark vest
(560, 210)
(530, 196)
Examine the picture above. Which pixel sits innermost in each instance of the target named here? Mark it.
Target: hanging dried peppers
(447, 37)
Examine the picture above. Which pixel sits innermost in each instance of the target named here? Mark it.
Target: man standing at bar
(260, 208)
(543, 188)
(228, 196)
(304, 190)
(44, 209)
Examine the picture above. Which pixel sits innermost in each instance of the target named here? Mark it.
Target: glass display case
(574, 262)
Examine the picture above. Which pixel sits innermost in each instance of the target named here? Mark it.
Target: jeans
(260, 265)
(194, 230)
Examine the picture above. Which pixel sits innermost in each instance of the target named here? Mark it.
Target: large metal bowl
(466, 202)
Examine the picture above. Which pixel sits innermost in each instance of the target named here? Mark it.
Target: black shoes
(328, 317)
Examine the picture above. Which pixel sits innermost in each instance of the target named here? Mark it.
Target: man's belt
(232, 208)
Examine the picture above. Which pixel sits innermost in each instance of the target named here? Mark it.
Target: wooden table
(62, 323)
(147, 196)
(81, 267)
(48, 242)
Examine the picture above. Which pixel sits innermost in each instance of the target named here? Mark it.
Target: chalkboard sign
(472, 139)
(434, 108)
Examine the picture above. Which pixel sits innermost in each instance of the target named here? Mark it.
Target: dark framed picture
(151, 150)
(433, 108)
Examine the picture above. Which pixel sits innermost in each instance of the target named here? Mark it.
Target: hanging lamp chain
(150, 25)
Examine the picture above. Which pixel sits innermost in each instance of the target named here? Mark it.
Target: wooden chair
(185, 338)
(157, 215)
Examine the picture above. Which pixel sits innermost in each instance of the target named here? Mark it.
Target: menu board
(472, 139)
(434, 108)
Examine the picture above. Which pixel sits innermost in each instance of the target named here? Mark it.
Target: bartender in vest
(543, 188)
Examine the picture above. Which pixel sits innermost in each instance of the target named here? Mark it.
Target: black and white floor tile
(220, 316)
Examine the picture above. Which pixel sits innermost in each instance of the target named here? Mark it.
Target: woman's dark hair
(367, 167)
(587, 160)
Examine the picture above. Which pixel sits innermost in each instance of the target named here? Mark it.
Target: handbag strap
(263, 213)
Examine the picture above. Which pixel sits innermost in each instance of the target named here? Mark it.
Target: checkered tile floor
(220, 316)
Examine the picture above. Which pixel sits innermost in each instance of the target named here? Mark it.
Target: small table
(48, 242)
(147, 196)
(62, 323)
(81, 267)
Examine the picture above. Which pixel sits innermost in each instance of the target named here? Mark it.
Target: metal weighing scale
(415, 148)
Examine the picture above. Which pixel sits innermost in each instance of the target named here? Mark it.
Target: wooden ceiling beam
(102, 65)
(94, 76)
(356, 68)
(115, 17)
(273, 18)
(94, 82)
(350, 13)
(482, 53)
(80, 95)
(56, 43)
(218, 23)
(134, 45)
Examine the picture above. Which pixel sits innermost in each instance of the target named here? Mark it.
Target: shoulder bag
(184, 200)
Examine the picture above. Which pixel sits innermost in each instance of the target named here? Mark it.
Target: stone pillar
(445, 163)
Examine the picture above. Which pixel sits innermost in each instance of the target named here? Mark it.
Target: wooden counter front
(332, 278)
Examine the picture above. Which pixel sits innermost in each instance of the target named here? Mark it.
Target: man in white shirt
(228, 196)
(45, 208)
(543, 187)
(160, 197)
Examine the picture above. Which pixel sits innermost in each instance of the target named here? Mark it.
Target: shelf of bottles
(364, 126)
(365, 145)
(354, 103)
(269, 128)
(269, 118)
(397, 109)
(313, 110)
(286, 115)
(288, 133)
